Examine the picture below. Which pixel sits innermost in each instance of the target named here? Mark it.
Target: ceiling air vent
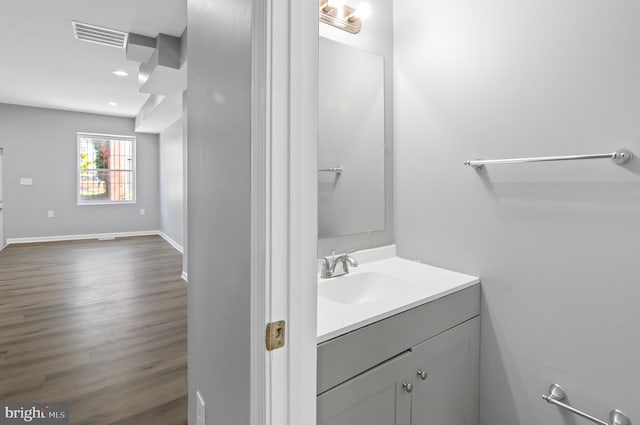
(99, 35)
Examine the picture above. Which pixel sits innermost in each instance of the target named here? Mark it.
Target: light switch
(51, 214)
(26, 181)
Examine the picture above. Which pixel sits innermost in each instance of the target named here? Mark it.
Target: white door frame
(284, 209)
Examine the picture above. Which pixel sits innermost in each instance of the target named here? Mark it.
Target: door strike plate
(275, 335)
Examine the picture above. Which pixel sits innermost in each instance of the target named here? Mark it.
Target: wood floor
(101, 325)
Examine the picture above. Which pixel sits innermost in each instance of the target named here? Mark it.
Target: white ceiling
(42, 64)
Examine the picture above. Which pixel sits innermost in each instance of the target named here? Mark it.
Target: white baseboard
(171, 242)
(104, 236)
(60, 238)
(185, 276)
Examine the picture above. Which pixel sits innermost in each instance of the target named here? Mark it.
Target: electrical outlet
(26, 181)
(141, 211)
(51, 214)
(200, 417)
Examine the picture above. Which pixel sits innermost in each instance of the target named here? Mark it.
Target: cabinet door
(448, 393)
(376, 397)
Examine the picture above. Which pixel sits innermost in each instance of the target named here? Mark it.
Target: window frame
(134, 184)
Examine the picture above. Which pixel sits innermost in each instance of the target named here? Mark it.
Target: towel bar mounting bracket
(557, 395)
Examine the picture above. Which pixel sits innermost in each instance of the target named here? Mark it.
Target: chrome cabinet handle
(422, 374)
(407, 387)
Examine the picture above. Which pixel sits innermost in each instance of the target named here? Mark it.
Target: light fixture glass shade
(336, 3)
(363, 11)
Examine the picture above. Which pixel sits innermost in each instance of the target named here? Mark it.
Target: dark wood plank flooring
(101, 325)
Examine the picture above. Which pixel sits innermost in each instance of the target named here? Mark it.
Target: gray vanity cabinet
(432, 379)
(445, 372)
(376, 397)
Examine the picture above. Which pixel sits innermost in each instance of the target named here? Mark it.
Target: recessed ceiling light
(112, 104)
(120, 73)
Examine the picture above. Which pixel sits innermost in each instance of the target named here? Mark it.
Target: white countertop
(420, 284)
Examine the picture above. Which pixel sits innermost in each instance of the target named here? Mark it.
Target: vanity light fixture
(327, 5)
(363, 11)
(339, 15)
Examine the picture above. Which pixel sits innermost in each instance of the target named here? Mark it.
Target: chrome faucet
(329, 265)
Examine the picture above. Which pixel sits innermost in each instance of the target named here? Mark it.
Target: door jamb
(284, 209)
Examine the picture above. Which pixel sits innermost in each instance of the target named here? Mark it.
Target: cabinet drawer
(351, 354)
(374, 398)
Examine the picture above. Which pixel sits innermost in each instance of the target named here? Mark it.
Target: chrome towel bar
(621, 156)
(557, 394)
(337, 170)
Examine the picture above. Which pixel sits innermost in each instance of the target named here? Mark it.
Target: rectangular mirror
(351, 148)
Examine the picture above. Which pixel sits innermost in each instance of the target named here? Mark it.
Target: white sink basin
(361, 288)
(379, 288)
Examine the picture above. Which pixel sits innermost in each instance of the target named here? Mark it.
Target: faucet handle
(333, 254)
(327, 265)
(347, 253)
(350, 252)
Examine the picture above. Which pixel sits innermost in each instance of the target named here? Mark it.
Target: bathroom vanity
(413, 360)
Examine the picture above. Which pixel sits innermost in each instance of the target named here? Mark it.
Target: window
(106, 169)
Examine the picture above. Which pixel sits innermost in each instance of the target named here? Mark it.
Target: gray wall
(219, 207)
(555, 244)
(41, 144)
(376, 37)
(172, 182)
